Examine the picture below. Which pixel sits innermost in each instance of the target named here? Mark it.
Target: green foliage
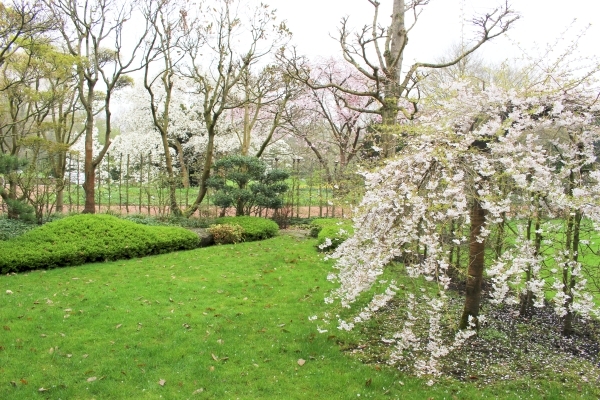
(88, 238)
(11, 228)
(226, 233)
(17, 208)
(255, 228)
(145, 219)
(10, 163)
(252, 184)
(334, 229)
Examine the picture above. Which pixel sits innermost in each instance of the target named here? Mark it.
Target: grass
(223, 322)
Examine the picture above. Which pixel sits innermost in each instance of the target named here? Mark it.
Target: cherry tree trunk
(476, 266)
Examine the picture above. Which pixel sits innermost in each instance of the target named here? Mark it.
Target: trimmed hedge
(255, 228)
(334, 229)
(89, 238)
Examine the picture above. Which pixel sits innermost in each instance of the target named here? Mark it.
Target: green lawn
(223, 322)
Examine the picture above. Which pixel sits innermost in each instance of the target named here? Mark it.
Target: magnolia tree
(186, 134)
(477, 159)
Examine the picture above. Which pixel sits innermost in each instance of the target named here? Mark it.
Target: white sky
(541, 23)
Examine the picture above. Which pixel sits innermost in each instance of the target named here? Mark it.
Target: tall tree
(377, 52)
(167, 31)
(87, 26)
(219, 54)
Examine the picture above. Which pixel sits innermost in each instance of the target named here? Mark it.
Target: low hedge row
(88, 238)
(255, 228)
(334, 229)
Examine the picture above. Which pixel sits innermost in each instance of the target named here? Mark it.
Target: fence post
(310, 184)
(127, 186)
(320, 196)
(148, 183)
(77, 183)
(109, 176)
(69, 183)
(141, 181)
(120, 181)
(99, 179)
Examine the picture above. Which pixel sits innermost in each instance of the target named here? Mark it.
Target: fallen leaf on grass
(118, 326)
(301, 362)
(13, 383)
(42, 389)
(9, 292)
(85, 356)
(214, 357)
(24, 382)
(91, 379)
(198, 391)
(162, 382)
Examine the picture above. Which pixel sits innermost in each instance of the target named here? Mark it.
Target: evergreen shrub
(255, 228)
(88, 238)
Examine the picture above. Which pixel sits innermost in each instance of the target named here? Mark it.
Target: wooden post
(120, 181)
(99, 178)
(141, 182)
(78, 184)
(69, 183)
(109, 177)
(127, 186)
(148, 183)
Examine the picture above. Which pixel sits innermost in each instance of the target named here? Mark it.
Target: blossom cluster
(528, 159)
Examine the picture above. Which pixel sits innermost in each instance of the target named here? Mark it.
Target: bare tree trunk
(569, 280)
(89, 184)
(205, 174)
(476, 266)
(185, 177)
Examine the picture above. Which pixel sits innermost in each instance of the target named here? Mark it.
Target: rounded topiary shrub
(88, 238)
(255, 228)
(226, 233)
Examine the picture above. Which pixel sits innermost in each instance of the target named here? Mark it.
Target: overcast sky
(439, 27)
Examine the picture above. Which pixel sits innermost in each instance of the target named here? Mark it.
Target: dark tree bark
(476, 266)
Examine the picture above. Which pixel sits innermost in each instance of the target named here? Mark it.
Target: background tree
(167, 31)
(253, 185)
(377, 53)
(217, 63)
(86, 27)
